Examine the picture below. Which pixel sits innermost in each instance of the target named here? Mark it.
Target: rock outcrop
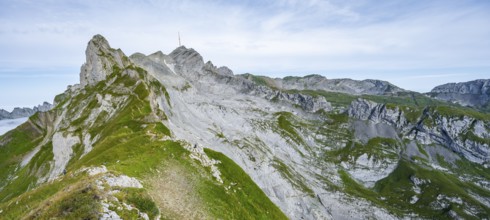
(101, 61)
(378, 113)
(187, 61)
(24, 112)
(308, 103)
(474, 93)
(463, 135)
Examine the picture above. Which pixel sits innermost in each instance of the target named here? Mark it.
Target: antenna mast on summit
(179, 39)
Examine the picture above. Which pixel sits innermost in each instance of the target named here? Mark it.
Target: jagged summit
(99, 41)
(189, 61)
(100, 59)
(182, 54)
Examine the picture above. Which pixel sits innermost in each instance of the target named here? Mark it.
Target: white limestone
(122, 181)
(62, 150)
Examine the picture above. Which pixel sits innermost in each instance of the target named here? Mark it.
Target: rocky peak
(185, 56)
(100, 60)
(158, 56)
(98, 41)
(225, 71)
(187, 61)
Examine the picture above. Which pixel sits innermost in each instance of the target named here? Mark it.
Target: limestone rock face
(432, 128)
(187, 61)
(225, 71)
(374, 120)
(308, 103)
(367, 110)
(455, 133)
(473, 93)
(101, 60)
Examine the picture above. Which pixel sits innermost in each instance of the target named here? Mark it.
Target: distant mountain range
(474, 93)
(24, 112)
(318, 82)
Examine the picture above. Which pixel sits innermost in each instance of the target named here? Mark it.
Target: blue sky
(414, 44)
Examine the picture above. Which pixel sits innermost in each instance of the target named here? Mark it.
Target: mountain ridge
(168, 128)
(319, 82)
(475, 93)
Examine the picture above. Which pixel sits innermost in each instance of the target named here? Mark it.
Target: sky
(415, 44)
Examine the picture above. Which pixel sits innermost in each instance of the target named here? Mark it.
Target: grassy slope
(395, 186)
(246, 199)
(15, 144)
(133, 145)
(395, 191)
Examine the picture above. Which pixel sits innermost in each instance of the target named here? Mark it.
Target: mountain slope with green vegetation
(129, 143)
(172, 137)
